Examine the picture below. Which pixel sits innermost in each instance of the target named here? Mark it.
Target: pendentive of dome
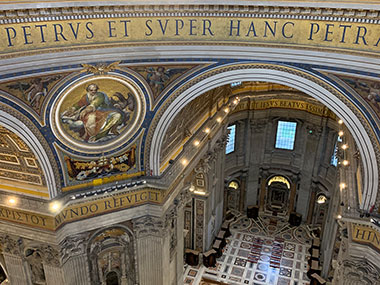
(97, 112)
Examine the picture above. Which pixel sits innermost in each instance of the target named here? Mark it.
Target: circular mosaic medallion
(288, 254)
(259, 276)
(254, 230)
(97, 113)
(262, 266)
(267, 250)
(287, 236)
(265, 258)
(272, 228)
(268, 242)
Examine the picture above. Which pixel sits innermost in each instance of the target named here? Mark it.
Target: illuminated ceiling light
(226, 110)
(207, 130)
(196, 143)
(345, 146)
(345, 162)
(341, 133)
(219, 119)
(54, 206)
(12, 201)
(184, 161)
(235, 101)
(339, 217)
(340, 122)
(321, 199)
(342, 185)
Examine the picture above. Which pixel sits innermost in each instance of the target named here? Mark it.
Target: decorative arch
(279, 178)
(330, 95)
(34, 142)
(111, 252)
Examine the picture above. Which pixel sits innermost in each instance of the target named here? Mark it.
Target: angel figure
(158, 78)
(35, 90)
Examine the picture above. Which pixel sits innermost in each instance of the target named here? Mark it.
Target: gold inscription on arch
(366, 235)
(237, 30)
(286, 104)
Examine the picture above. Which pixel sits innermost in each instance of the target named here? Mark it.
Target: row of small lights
(56, 205)
(207, 130)
(345, 162)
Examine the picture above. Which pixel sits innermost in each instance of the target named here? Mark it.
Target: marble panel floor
(263, 251)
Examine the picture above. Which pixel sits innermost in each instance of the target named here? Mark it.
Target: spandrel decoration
(99, 111)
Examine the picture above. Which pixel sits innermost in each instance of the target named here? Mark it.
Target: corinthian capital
(72, 246)
(149, 226)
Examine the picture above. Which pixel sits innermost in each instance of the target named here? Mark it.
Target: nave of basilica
(202, 142)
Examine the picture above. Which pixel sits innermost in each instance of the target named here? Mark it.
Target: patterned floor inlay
(263, 251)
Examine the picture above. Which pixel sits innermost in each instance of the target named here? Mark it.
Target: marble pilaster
(16, 269)
(153, 250)
(54, 275)
(74, 261)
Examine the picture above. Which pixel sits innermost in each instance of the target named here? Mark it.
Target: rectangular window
(334, 158)
(286, 133)
(230, 147)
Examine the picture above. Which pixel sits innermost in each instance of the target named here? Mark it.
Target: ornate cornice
(357, 15)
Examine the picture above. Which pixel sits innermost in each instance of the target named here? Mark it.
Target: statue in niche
(36, 266)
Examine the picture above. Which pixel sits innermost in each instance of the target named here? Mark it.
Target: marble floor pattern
(263, 251)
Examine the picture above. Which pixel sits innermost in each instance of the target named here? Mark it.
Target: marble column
(153, 250)
(263, 190)
(180, 246)
(16, 269)
(293, 191)
(329, 233)
(183, 198)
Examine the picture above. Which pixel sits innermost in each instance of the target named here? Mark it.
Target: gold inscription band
(142, 30)
(81, 210)
(366, 235)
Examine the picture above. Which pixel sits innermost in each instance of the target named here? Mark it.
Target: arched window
(233, 184)
(280, 179)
